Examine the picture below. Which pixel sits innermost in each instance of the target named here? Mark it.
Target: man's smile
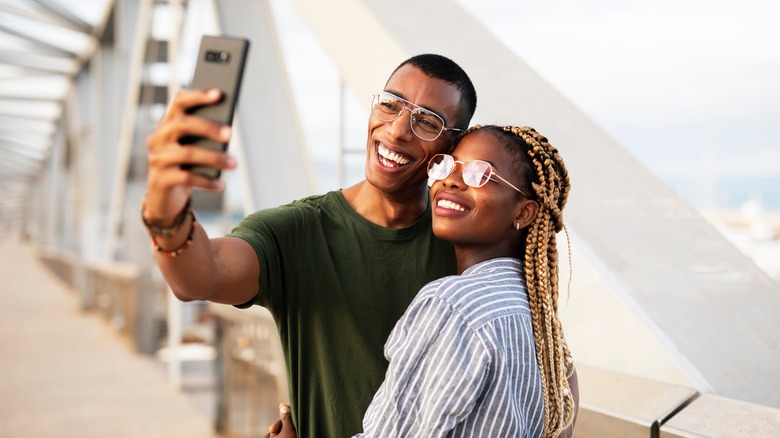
(391, 159)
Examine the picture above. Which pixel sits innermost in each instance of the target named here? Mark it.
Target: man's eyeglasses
(476, 173)
(426, 124)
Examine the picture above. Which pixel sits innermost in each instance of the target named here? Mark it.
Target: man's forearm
(186, 260)
(223, 270)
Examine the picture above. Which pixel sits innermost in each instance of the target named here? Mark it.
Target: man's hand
(168, 185)
(574, 385)
(283, 428)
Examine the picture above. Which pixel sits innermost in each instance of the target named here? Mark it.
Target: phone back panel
(220, 64)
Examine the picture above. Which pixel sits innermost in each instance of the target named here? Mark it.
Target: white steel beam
(715, 312)
(273, 148)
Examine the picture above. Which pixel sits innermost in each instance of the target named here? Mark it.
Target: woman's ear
(528, 211)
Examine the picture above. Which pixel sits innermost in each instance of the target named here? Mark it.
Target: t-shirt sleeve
(274, 234)
(436, 374)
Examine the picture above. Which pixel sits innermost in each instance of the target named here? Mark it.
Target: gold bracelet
(169, 231)
(183, 247)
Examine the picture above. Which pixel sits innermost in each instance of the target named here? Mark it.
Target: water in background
(728, 193)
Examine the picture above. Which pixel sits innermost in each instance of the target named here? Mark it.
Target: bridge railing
(251, 376)
(614, 405)
(250, 370)
(117, 291)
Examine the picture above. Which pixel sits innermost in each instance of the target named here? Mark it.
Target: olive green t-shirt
(336, 284)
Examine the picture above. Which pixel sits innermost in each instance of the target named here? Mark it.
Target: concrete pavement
(65, 373)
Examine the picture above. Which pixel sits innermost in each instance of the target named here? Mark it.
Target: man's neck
(385, 209)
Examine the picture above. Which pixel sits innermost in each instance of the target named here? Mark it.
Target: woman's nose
(455, 178)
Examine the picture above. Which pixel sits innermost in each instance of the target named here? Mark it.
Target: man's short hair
(441, 67)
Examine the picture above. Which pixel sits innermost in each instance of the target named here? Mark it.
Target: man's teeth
(392, 159)
(444, 203)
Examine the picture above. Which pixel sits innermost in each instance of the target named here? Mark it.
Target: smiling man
(335, 270)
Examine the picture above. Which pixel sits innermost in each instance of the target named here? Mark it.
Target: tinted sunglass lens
(476, 173)
(440, 167)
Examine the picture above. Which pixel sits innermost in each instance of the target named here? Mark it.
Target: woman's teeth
(445, 203)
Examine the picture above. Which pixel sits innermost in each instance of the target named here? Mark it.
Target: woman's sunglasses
(476, 173)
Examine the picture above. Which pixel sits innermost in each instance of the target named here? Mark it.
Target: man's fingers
(186, 99)
(170, 133)
(168, 184)
(195, 126)
(165, 167)
(176, 156)
(177, 176)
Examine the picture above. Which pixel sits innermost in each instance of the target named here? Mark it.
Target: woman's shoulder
(494, 288)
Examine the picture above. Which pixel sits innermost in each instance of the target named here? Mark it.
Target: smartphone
(220, 64)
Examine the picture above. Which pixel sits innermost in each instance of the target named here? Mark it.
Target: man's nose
(402, 126)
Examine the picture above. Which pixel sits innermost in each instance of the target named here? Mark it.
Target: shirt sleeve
(436, 373)
(275, 234)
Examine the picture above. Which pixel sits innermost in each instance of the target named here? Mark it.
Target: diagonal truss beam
(714, 311)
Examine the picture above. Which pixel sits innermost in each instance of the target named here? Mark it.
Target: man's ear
(528, 209)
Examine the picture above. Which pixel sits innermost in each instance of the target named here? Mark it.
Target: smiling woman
(489, 336)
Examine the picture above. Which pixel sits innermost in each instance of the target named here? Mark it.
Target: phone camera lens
(218, 57)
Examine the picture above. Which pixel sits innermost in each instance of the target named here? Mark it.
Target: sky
(662, 75)
(689, 87)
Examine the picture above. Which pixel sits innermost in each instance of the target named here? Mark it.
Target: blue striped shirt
(462, 361)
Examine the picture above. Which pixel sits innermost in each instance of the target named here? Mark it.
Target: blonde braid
(550, 184)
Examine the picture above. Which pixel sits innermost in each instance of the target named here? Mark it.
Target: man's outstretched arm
(223, 270)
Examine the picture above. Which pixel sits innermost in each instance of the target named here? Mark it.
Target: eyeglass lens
(425, 124)
(475, 173)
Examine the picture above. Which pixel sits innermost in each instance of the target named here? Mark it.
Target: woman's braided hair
(543, 175)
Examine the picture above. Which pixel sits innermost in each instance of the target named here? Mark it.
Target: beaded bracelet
(177, 252)
(169, 231)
